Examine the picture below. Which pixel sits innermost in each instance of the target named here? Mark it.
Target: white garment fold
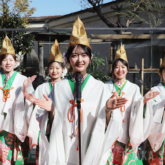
(94, 145)
(157, 133)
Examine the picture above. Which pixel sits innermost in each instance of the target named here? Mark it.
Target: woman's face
(79, 60)
(55, 70)
(8, 64)
(120, 71)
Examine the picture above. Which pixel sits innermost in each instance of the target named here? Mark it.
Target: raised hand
(114, 103)
(44, 104)
(150, 95)
(27, 82)
(30, 97)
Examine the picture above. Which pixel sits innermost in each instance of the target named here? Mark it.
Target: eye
(74, 55)
(84, 55)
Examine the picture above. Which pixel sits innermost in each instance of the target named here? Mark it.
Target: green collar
(119, 89)
(163, 84)
(9, 82)
(50, 86)
(72, 83)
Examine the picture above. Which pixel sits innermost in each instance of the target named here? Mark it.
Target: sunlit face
(79, 60)
(8, 64)
(120, 71)
(55, 70)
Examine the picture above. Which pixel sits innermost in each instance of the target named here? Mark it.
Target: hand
(30, 97)
(44, 104)
(114, 103)
(150, 95)
(27, 82)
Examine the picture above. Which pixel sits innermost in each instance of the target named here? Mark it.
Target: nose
(79, 58)
(120, 68)
(7, 61)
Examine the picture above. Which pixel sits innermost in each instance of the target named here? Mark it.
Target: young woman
(135, 125)
(56, 69)
(15, 111)
(64, 137)
(155, 145)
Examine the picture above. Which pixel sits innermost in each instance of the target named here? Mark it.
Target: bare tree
(124, 13)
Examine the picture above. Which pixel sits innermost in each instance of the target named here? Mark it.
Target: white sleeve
(140, 121)
(157, 133)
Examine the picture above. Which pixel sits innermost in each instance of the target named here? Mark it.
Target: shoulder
(133, 85)
(98, 82)
(42, 85)
(157, 87)
(22, 77)
(62, 83)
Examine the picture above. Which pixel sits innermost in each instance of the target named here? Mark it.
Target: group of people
(115, 118)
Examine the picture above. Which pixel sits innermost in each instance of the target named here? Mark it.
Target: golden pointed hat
(162, 66)
(55, 54)
(121, 53)
(78, 35)
(7, 47)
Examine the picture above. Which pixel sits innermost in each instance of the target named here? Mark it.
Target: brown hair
(2, 57)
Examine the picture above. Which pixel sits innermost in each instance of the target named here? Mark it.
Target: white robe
(17, 108)
(157, 133)
(93, 138)
(133, 125)
(35, 126)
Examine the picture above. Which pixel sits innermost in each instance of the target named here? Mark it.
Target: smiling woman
(64, 137)
(79, 57)
(14, 110)
(8, 62)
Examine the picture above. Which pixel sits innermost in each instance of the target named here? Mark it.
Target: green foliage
(21, 7)
(97, 69)
(22, 41)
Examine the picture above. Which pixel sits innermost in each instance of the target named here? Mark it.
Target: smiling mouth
(79, 65)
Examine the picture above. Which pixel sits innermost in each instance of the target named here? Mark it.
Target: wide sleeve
(37, 114)
(157, 133)
(56, 153)
(28, 104)
(101, 142)
(140, 120)
(20, 124)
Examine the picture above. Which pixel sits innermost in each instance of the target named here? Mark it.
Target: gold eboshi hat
(78, 35)
(55, 54)
(7, 47)
(162, 66)
(121, 53)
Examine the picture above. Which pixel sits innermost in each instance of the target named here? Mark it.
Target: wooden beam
(126, 36)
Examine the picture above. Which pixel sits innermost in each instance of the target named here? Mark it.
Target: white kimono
(157, 133)
(133, 124)
(94, 141)
(35, 126)
(18, 109)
